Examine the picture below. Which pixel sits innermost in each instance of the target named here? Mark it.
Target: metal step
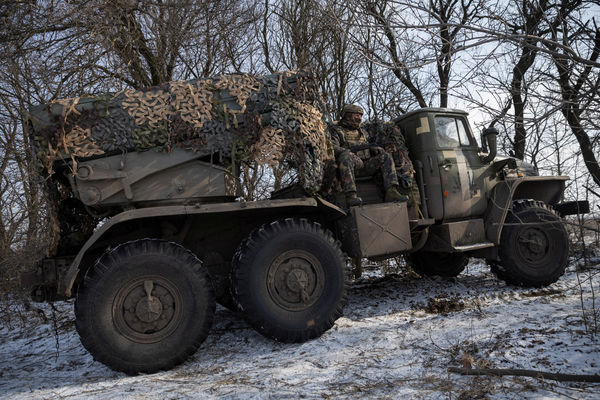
(417, 223)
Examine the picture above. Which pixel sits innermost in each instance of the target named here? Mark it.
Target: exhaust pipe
(489, 141)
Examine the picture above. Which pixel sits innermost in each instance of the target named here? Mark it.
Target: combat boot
(352, 199)
(392, 195)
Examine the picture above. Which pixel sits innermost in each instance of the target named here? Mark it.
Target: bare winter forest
(530, 68)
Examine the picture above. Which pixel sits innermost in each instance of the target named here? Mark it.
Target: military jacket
(344, 138)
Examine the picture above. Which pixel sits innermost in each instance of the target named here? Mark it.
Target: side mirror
(489, 140)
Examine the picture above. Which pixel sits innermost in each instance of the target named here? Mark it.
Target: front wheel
(144, 306)
(534, 246)
(289, 280)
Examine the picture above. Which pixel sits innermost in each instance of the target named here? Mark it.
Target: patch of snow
(387, 345)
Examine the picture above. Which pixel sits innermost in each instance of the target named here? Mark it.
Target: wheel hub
(295, 280)
(533, 245)
(147, 309)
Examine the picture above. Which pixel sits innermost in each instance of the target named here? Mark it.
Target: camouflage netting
(269, 120)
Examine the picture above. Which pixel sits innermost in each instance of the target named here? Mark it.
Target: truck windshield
(451, 132)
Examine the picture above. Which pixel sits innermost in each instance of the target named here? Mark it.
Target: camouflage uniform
(389, 136)
(344, 137)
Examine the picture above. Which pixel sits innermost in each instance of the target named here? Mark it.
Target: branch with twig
(526, 372)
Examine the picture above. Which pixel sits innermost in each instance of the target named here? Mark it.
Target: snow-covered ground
(399, 336)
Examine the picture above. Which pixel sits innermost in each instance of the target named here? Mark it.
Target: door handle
(446, 165)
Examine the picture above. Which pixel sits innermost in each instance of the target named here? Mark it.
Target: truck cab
(442, 142)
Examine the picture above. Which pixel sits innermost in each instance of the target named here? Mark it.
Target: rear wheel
(428, 263)
(289, 281)
(144, 306)
(534, 246)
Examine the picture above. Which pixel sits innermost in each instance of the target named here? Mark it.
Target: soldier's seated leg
(385, 164)
(408, 186)
(346, 166)
(393, 195)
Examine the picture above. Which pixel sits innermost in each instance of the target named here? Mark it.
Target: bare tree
(452, 17)
(413, 39)
(579, 84)
(147, 43)
(527, 22)
(302, 35)
(339, 64)
(66, 49)
(381, 14)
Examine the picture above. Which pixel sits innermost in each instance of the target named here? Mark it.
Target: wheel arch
(155, 222)
(548, 189)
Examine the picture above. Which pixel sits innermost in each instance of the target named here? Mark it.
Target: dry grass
(443, 304)
(16, 307)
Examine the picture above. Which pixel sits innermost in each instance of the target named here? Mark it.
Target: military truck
(175, 237)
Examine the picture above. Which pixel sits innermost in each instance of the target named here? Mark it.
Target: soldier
(355, 155)
(389, 136)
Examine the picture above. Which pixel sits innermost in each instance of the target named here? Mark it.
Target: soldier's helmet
(352, 108)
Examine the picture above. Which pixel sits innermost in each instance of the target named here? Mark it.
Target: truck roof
(430, 110)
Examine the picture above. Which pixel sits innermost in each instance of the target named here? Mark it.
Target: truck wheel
(429, 263)
(289, 280)
(534, 246)
(144, 306)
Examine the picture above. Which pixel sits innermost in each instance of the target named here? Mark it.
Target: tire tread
(507, 268)
(243, 258)
(109, 262)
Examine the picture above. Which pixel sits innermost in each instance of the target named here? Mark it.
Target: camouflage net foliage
(268, 120)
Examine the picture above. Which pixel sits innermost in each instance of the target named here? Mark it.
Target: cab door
(460, 168)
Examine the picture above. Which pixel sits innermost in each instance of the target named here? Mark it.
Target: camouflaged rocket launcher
(161, 166)
(162, 145)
